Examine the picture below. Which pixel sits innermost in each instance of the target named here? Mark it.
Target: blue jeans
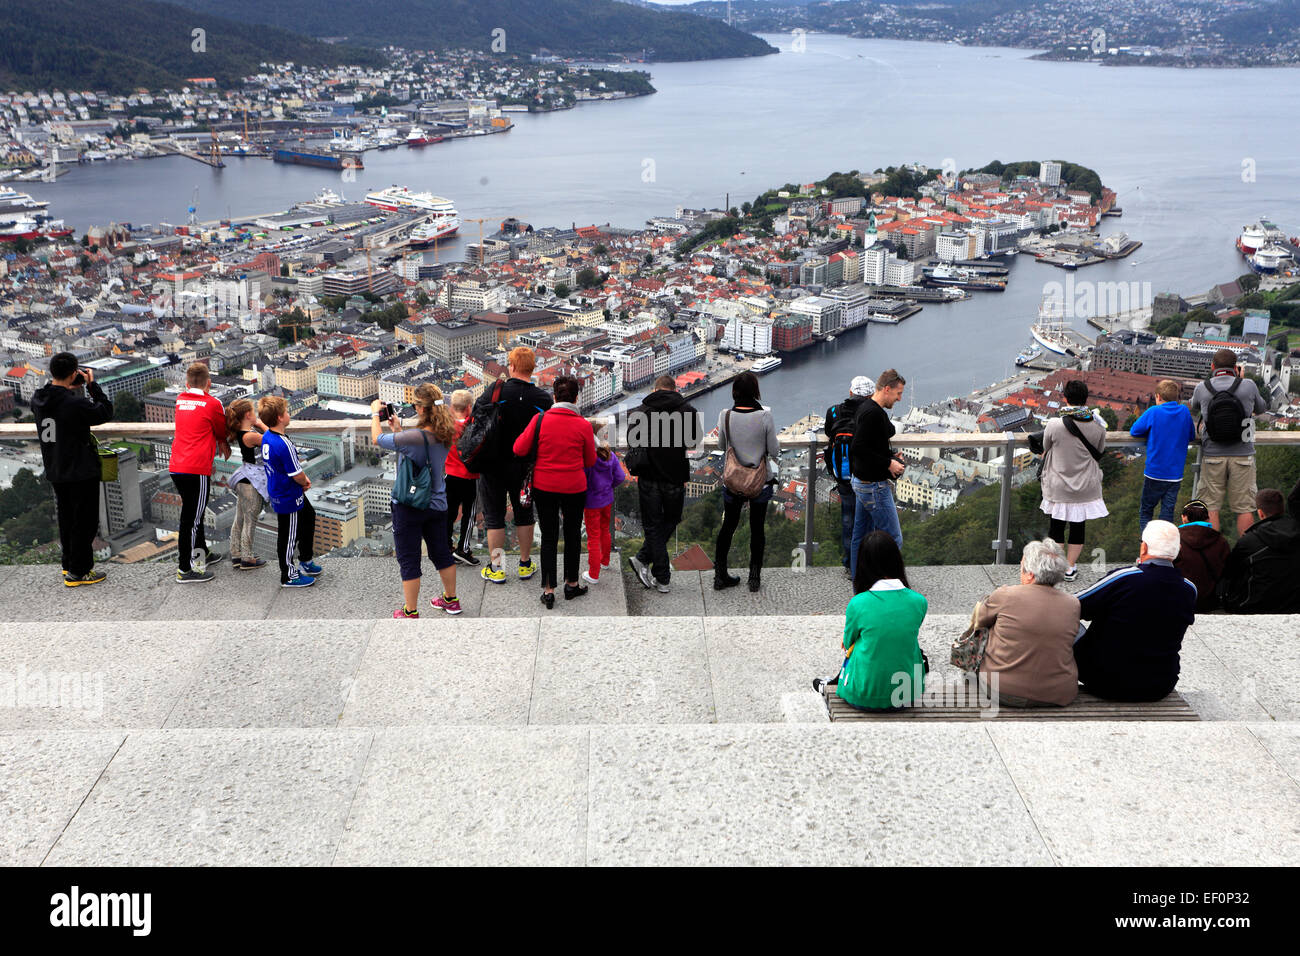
(848, 511)
(1154, 491)
(875, 512)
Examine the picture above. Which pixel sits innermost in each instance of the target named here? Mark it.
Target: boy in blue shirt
(1168, 428)
(287, 485)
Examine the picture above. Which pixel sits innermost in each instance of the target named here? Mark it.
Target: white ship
(1258, 235)
(427, 233)
(1271, 258)
(1051, 330)
(1028, 355)
(765, 365)
(441, 213)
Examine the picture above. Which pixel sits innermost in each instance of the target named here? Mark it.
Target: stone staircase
(674, 728)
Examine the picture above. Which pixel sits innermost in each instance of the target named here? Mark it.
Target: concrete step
(878, 794)
(231, 672)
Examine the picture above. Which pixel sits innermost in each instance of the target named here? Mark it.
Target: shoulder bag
(747, 481)
(968, 649)
(530, 459)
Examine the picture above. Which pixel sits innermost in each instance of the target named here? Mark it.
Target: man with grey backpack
(1228, 404)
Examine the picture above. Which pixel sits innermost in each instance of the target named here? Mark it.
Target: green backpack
(414, 485)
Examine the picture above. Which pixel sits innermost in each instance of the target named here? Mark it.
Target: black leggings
(193, 490)
(757, 535)
(1056, 531)
(551, 505)
(460, 496)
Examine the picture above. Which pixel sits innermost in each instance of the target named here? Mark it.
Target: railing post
(1002, 545)
(810, 502)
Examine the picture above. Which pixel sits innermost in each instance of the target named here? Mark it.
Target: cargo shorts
(1233, 476)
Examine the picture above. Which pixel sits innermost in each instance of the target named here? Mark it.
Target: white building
(748, 335)
(899, 271)
(825, 312)
(1049, 173)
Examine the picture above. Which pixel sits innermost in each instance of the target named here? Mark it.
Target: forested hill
(88, 44)
(562, 27)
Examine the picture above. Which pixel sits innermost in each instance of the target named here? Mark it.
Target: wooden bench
(1085, 707)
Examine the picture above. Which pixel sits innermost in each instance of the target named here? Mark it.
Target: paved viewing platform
(235, 722)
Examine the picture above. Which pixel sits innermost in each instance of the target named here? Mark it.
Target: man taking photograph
(64, 417)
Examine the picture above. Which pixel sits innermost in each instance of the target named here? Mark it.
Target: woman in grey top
(748, 428)
(1071, 475)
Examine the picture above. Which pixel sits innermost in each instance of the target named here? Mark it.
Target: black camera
(79, 378)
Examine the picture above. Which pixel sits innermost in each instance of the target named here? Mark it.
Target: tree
(284, 270)
(154, 385)
(599, 249)
(127, 408)
(1111, 419)
(562, 290)
(589, 278)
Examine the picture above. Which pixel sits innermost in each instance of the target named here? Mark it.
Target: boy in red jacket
(200, 432)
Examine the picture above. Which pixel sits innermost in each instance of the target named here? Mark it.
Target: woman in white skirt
(1072, 447)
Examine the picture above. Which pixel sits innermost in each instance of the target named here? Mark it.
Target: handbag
(968, 649)
(526, 483)
(414, 485)
(747, 481)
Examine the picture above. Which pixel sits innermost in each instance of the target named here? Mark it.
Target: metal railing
(812, 443)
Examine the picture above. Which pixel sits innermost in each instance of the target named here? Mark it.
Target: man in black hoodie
(666, 426)
(1264, 565)
(63, 421)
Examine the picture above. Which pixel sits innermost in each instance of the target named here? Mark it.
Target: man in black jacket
(1264, 566)
(502, 476)
(841, 420)
(63, 421)
(875, 466)
(666, 426)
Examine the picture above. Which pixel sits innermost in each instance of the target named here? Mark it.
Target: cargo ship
(418, 137)
(321, 160)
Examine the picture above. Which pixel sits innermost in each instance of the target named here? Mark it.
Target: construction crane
(194, 208)
(481, 256)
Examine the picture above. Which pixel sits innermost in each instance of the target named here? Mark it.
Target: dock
(171, 149)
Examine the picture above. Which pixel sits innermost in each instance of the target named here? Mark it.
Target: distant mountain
(564, 27)
(89, 44)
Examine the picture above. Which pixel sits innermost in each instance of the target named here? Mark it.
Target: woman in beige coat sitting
(1029, 657)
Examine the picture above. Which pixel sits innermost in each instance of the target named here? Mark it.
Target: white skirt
(1077, 511)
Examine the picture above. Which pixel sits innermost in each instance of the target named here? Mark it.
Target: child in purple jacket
(602, 477)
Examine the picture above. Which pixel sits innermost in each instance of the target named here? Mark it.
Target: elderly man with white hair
(1032, 627)
(1138, 617)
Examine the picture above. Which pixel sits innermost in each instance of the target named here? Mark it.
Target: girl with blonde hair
(420, 513)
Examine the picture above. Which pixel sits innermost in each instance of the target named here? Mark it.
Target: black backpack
(1224, 416)
(840, 428)
(477, 443)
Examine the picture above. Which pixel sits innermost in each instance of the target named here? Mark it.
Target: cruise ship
(1051, 330)
(765, 365)
(1271, 258)
(440, 213)
(427, 233)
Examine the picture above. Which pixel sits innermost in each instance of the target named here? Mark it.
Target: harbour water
(1192, 154)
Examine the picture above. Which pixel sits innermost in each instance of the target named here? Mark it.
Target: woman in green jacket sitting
(883, 668)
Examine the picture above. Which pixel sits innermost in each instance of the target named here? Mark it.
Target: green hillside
(71, 44)
(563, 27)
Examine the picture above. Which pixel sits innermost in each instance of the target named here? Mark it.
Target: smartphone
(387, 411)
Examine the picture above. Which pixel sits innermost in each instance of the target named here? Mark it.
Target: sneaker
(214, 556)
(662, 586)
(589, 579)
(251, 565)
(299, 581)
(403, 614)
(526, 571)
(450, 605)
(1071, 574)
(193, 577)
(465, 558)
(311, 569)
(495, 575)
(642, 572)
(821, 683)
(90, 577)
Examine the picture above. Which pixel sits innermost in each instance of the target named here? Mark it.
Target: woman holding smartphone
(427, 446)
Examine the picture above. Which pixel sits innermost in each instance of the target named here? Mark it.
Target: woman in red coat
(564, 444)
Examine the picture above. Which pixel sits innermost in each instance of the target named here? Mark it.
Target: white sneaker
(589, 579)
